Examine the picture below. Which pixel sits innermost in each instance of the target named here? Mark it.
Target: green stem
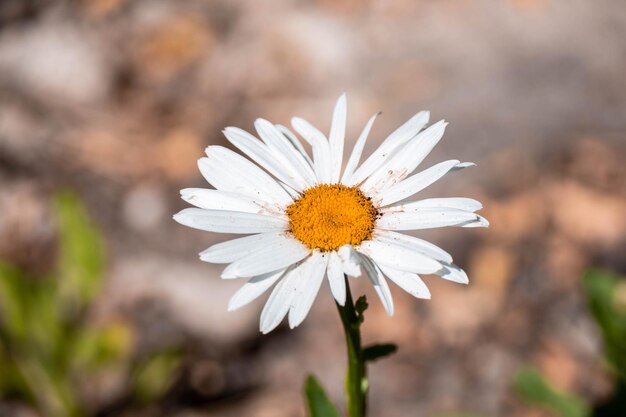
(356, 376)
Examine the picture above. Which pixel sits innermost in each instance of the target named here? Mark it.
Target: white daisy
(306, 219)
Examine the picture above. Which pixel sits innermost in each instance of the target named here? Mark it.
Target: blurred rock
(341, 6)
(515, 325)
(558, 365)
(454, 325)
(28, 225)
(530, 5)
(491, 269)
(145, 208)
(109, 153)
(596, 163)
(517, 217)
(192, 293)
(589, 217)
(490, 365)
(171, 45)
(101, 8)
(565, 261)
(207, 377)
(177, 154)
(58, 61)
(513, 169)
(23, 133)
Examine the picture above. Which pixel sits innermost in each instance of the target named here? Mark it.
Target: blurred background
(106, 105)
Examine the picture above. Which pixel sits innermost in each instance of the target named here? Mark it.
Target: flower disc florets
(326, 217)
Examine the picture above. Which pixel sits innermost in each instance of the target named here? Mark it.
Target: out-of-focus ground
(118, 98)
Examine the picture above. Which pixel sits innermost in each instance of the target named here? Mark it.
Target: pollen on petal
(328, 216)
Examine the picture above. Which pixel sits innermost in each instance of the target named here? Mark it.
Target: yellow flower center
(326, 217)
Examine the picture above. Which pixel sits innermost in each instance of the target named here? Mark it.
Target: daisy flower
(307, 218)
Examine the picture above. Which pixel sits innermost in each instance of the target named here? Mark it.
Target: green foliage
(106, 345)
(81, 258)
(47, 347)
(609, 313)
(318, 403)
(152, 378)
(456, 415)
(378, 351)
(535, 390)
(606, 298)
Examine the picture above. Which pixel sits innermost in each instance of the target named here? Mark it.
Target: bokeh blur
(108, 104)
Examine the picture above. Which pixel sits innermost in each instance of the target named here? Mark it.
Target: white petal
(379, 283)
(336, 137)
(296, 143)
(430, 218)
(222, 221)
(405, 132)
(414, 243)
(459, 203)
(399, 257)
(279, 302)
(453, 273)
(283, 149)
(409, 282)
(480, 222)
(274, 255)
(355, 156)
(390, 147)
(312, 275)
(263, 156)
(350, 261)
(228, 171)
(336, 278)
(219, 200)
(416, 183)
(231, 250)
(293, 193)
(403, 163)
(320, 146)
(253, 289)
(463, 165)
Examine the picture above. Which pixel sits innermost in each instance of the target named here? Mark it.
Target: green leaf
(29, 313)
(53, 394)
(318, 403)
(602, 290)
(13, 302)
(47, 335)
(378, 351)
(106, 346)
(81, 262)
(11, 382)
(535, 390)
(155, 376)
(456, 415)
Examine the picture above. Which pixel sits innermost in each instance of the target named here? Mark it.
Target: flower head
(307, 219)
